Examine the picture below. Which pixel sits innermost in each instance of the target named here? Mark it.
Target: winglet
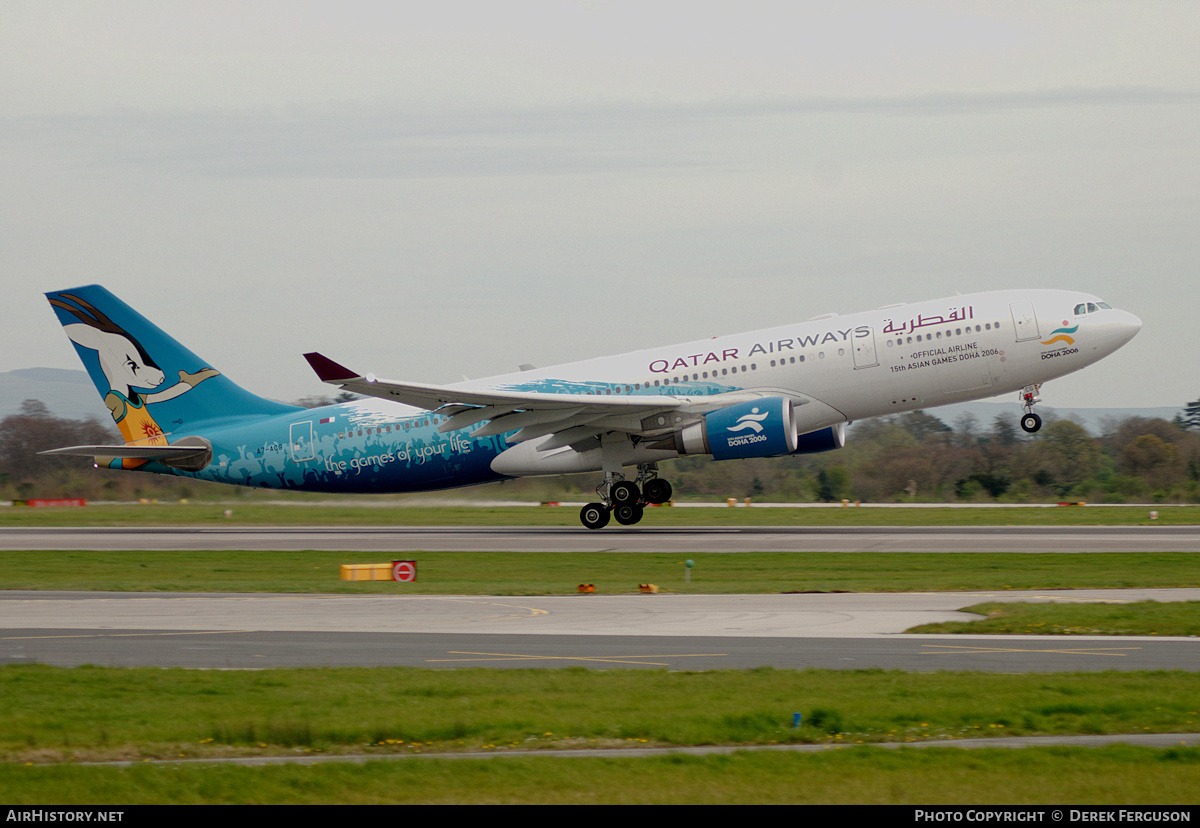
(328, 370)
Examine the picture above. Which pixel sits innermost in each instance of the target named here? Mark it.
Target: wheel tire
(594, 515)
(624, 492)
(627, 514)
(657, 490)
(1030, 423)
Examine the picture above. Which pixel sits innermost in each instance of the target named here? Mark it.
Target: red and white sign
(405, 571)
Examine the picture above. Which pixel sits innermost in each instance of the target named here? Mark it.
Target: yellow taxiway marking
(637, 659)
(951, 649)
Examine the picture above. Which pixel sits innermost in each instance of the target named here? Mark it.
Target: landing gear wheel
(594, 515)
(624, 492)
(627, 514)
(657, 490)
(1030, 423)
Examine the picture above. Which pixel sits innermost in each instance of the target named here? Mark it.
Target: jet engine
(759, 428)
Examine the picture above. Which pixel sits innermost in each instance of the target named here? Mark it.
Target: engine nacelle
(759, 428)
(823, 439)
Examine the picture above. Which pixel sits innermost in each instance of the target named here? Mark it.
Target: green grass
(91, 713)
(1140, 618)
(379, 512)
(1116, 776)
(536, 573)
(50, 715)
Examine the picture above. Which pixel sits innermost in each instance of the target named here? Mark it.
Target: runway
(675, 632)
(1164, 538)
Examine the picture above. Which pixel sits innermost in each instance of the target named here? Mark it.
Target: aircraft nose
(1128, 325)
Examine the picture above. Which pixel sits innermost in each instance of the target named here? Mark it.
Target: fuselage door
(300, 441)
(864, 349)
(1025, 321)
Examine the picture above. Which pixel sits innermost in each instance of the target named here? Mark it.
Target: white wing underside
(574, 419)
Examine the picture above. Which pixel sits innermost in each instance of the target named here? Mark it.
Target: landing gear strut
(1030, 422)
(625, 500)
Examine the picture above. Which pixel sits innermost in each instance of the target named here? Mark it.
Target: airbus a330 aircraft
(785, 390)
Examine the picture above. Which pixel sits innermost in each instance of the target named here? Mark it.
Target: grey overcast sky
(433, 190)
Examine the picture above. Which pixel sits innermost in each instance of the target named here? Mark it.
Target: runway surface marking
(952, 649)
(122, 635)
(605, 660)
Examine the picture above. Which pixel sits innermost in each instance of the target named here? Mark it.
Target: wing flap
(525, 419)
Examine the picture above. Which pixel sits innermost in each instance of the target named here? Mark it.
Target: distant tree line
(912, 457)
(916, 457)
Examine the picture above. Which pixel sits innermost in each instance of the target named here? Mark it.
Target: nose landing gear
(1030, 422)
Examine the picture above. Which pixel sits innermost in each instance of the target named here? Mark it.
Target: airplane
(785, 390)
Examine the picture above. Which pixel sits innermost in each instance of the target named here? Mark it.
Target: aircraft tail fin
(154, 386)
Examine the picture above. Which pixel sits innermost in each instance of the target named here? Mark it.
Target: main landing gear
(625, 500)
(1030, 422)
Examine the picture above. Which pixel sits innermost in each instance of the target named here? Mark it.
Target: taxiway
(678, 632)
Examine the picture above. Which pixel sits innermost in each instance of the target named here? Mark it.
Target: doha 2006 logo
(1062, 335)
(752, 421)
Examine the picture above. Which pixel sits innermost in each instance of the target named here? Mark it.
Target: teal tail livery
(768, 393)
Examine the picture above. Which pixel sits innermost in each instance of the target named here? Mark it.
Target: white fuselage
(895, 359)
(843, 368)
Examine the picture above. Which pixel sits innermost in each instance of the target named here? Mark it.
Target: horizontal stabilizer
(160, 453)
(188, 454)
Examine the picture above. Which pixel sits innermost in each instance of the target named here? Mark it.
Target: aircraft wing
(573, 418)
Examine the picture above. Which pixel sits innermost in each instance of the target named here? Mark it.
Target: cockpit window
(1105, 305)
(1080, 309)
(1092, 308)
(1089, 307)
